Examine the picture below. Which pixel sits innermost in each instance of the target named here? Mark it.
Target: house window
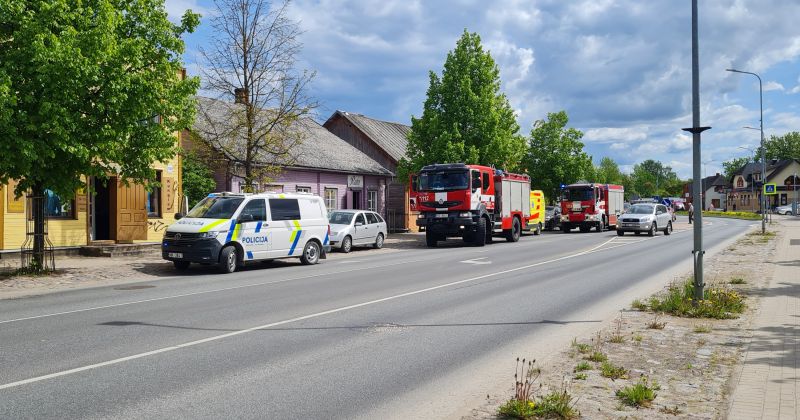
(303, 189)
(243, 187)
(56, 207)
(153, 202)
(372, 200)
(757, 176)
(740, 183)
(273, 188)
(331, 197)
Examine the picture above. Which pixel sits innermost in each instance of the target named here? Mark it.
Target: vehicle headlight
(565, 218)
(209, 235)
(464, 214)
(420, 216)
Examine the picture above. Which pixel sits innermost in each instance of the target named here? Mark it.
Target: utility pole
(696, 130)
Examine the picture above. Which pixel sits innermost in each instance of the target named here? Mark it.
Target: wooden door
(129, 219)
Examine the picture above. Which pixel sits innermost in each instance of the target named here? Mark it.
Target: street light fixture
(763, 154)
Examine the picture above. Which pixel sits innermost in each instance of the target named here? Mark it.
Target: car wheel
(310, 253)
(668, 229)
(181, 265)
(378, 242)
(228, 259)
(347, 244)
(513, 234)
(653, 229)
(430, 239)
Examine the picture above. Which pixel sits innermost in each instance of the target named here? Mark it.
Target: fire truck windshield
(443, 181)
(578, 194)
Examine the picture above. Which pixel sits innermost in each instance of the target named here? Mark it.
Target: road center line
(299, 318)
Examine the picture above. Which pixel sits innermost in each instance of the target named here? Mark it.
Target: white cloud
(772, 85)
(615, 135)
(176, 8)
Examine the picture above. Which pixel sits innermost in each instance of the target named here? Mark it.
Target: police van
(230, 230)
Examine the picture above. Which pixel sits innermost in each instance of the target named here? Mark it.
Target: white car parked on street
(351, 228)
(645, 217)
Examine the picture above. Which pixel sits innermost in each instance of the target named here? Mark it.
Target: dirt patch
(692, 360)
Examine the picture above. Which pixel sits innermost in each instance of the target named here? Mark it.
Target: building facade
(386, 143)
(747, 184)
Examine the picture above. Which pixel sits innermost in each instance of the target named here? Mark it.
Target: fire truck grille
(442, 204)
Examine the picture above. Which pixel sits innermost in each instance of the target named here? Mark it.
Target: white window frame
(372, 200)
(302, 189)
(331, 203)
(255, 187)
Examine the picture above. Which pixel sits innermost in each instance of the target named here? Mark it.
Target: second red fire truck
(588, 206)
(471, 201)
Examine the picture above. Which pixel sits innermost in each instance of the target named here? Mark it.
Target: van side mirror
(179, 216)
(244, 218)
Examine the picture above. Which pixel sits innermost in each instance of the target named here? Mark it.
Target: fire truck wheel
(480, 233)
(513, 234)
(585, 229)
(430, 239)
(565, 228)
(653, 229)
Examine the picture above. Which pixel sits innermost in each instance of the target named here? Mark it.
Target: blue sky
(620, 68)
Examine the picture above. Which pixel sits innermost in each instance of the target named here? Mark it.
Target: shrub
(639, 395)
(609, 370)
(556, 405)
(581, 376)
(639, 305)
(580, 367)
(597, 357)
(737, 280)
(718, 302)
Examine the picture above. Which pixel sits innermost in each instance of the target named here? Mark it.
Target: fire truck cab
(471, 201)
(589, 205)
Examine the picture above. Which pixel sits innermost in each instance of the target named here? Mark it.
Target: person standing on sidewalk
(691, 213)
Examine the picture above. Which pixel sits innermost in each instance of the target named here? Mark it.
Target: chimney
(717, 173)
(240, 95)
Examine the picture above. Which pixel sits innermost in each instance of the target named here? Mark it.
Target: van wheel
(378, 242)
(347, 244)
(181, 265)
(228, 259)
(310, 253)
(513, 234)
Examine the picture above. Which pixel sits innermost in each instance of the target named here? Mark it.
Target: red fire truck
(587, 206)
(470, 201)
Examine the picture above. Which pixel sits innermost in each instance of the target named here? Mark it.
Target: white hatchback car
(351, 228)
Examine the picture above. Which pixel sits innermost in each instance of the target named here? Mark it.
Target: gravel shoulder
(693, 360)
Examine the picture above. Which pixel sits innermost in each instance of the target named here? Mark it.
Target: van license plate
(441, 215)
(175, 255)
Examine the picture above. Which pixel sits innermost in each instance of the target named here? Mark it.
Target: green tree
(733, 165)
(628, 185)
(198, 179)
(786, 146)
(555, 155)
(651, 178)
(95, 91)
(465, 117)
(608, 172)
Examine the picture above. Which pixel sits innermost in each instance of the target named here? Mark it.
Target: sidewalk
(769, 377)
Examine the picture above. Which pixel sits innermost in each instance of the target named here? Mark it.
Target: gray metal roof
(318, 149)
(389, 136)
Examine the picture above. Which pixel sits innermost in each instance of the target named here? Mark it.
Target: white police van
(231, 229)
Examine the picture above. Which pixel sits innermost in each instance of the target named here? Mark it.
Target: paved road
(415, 333)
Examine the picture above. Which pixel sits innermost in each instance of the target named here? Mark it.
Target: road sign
(770, 189)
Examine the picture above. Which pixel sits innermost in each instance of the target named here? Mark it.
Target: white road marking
(300, 318)
(479, 261)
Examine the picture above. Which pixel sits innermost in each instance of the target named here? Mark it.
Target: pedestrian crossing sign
(770, 189)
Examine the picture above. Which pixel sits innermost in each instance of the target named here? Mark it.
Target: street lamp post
(763, 151)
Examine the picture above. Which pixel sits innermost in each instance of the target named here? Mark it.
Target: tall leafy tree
(198, 179)
(555, 155)
(786, 146)
(89, 87)
(608, 172)
(651, 177)
(465, 116)
(254, 51)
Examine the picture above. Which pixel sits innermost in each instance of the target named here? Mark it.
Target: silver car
(351, 228)
(645, 217)
(787, 209)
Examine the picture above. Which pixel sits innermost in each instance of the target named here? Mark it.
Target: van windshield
(443, 181)
(216, 207)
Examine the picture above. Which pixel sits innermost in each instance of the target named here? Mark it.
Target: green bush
(717, 302)
(639, 395)
(729, 214)
(609, 370)
(555, 405)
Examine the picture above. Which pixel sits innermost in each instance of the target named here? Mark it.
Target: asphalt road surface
(420, 333)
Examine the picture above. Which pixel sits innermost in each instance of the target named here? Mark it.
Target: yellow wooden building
(111, 212)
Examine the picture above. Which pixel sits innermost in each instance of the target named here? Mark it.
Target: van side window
(257, 208)
(371, 218)
(284, 209)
